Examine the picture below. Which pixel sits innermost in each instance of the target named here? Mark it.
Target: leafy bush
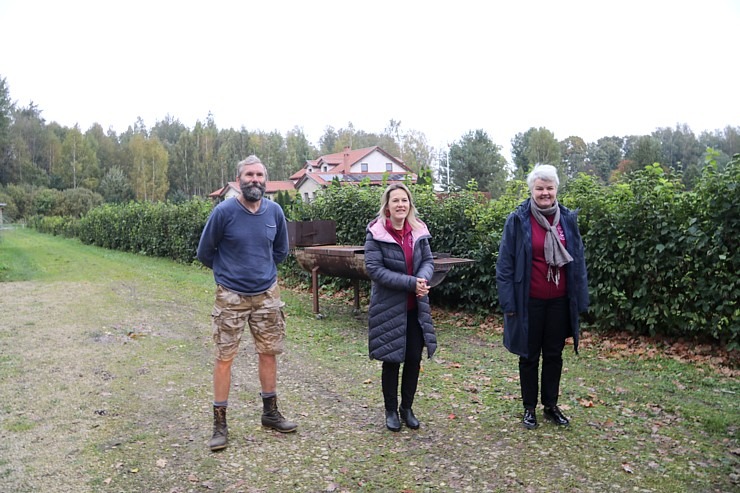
(157, 229)
(661, 260)
(56, 225)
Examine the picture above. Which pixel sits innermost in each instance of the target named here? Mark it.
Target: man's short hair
(248, 161)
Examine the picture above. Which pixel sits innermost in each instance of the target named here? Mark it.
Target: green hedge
(160, 229)
(661, 260)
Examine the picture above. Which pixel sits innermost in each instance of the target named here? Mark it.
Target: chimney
(345, 158)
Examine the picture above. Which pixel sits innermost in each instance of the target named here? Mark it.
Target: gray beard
(252, 192)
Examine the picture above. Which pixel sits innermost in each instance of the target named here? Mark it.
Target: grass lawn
(105, 385)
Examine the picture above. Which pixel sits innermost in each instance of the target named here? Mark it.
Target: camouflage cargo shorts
(263, 313)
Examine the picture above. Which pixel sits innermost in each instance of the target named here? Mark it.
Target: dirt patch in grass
(105, 364)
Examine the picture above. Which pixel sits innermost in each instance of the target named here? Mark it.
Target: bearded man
(243, 241)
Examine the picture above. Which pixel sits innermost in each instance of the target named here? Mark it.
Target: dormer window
(324, 168)
(309, 170)
(363, 167)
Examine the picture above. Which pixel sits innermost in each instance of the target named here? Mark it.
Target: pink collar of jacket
(377, 229)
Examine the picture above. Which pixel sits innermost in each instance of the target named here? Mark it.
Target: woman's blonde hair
(411, 217)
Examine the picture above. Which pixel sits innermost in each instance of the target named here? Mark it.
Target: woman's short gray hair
(544, 172)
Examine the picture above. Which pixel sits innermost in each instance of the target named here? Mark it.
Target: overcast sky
(586, 68)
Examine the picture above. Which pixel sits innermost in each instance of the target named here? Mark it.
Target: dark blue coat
(386, 265)
(514, 271)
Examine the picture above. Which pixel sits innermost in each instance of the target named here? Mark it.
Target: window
(305, 196)
(363, 167)
(389, 166)
(309, 170)
(325, 168)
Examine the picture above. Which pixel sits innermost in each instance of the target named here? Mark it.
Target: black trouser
(548, 328)
(411, 367)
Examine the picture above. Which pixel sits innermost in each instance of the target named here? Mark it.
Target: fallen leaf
(193, 478)
(368, 381)
(135, 470)
(586, 402)
(161, 463)
(107, 480)
(627, 468)
(451, 416)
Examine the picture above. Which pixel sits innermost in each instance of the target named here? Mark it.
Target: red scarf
(404, 239)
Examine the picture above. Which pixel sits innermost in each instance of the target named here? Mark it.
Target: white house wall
(376, 164)
(308, 187)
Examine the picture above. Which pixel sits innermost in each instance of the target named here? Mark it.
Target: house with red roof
(271, 188)
(350, 167)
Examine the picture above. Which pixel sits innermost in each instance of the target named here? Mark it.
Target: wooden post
(315, 287)
(356, 285)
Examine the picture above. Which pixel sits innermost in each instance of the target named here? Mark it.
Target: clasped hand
(422, 288)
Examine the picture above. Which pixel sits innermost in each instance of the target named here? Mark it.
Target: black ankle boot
(407, 415)
(530, 419)
(391, 420)
(555, 415)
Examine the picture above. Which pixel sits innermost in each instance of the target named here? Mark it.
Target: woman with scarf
(542, 287)
(399, 262)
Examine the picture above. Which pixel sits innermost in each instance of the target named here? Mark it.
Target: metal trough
(349, 262)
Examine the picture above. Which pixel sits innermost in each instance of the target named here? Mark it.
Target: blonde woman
(399, 262)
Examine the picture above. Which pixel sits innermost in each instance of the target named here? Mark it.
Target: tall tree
(328, 141)
(6, 109)
(158, 161)
(542, 148)
(726, 141)
(573, 152)
(115, 187)
(298, 150)
(229, 153)
(680, 147)
(78, 164)
(476, 157)
(415, 151)
(106, 147)
(270, 148)
(646, 151)
(182, 172)
(149, 168)
(519, 153)
(391, 140)
(605, 155)
(28, 137)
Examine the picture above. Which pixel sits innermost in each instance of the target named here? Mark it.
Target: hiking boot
(271, 417)
(220, 431)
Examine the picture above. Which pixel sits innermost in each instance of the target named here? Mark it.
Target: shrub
(157, 229)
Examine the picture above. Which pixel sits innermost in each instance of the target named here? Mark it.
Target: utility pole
(448, 168)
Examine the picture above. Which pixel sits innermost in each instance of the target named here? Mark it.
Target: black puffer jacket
(386, 266)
